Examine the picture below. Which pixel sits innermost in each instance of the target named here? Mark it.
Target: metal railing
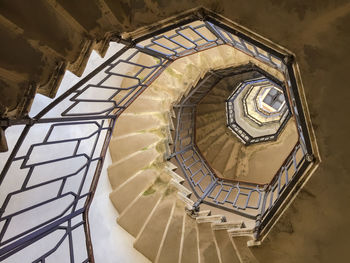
(238, 197)
(242, 134)
(54, 217)
(250, 200)
(210, 189)
(58, 158)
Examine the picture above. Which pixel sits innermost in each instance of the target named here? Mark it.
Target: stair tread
(217, 146)
(131, 123)
(213, 99)
(126, 193)
(146, 104)
(120, 147)
(231, 163)
(134, 216)
(119, 172)
(207, 139)
(220, 161)
(189, 247)
(171, 244)
(207, 248)
(208, 128)
(213, 140)
(150, 237)
(226, 249)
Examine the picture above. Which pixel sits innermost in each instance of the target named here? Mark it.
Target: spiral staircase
(145, 91)
(151, 194)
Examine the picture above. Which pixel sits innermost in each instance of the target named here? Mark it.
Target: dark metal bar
(218, 23)
(92, 190)
(207, 191)
(31, 238)
(270, 213)
(13, 153)
(299, 107)
(80, 83)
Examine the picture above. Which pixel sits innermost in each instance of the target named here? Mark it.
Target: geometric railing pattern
(238, 197)
(232, 121)
(246, 199)
(57, 213)
(46, 214)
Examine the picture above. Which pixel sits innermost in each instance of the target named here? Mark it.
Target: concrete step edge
(228, 225)
(210, 219)
(181, 188)
(177, 178)
(239, 232)
(187, 202)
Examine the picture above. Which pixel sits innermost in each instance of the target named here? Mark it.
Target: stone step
(208, 252)
(206, 128)
(207, 112)
(120, 147)
(132, 123)
(147, 105)
(135, 215)
(212, 107)
(205, 142)
(125, 194)
(176, 79)
(170, 166)
(188, 203)
(204, 213)
(212, 98)
(240, 239)
(226, 249)
(220, 90)
(148, 241)
(204, 60)
(220, 161)
(210, 117)
(176, 177)
(209, 130)
(170, 249)
(231, 163)
(120, 171)
(169, 95)
(189, 250)
(180, 188)
(190, 72)
(212, 57)
(215, 148)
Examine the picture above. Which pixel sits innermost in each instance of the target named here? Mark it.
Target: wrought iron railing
(254, 201)
(50, 177)
(57, 160)
(217, 192)
(233, 125)
(238, 197)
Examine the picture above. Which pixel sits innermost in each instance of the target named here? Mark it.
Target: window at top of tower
(274, 98)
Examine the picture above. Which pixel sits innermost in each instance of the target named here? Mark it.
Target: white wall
(111, 243)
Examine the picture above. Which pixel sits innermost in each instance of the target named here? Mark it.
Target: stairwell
(149, 194)
(226, 154)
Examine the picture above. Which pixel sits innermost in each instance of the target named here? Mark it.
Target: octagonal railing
(240, 132)
(57, 204)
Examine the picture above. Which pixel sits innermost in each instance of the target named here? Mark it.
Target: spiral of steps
(226, 154)
(152, 199)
